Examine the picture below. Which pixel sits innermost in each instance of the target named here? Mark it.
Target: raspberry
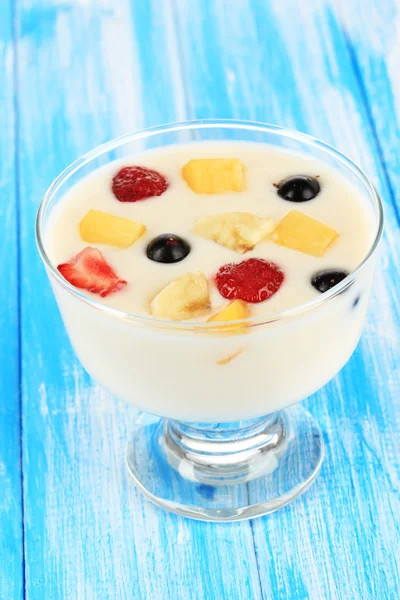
(134, 183)
(253, 280)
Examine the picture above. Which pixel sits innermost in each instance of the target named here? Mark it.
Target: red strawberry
(253, 280)
(89, 270)
(134, 183)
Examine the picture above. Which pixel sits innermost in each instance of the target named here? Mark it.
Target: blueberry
(167, 248)
(299, 188)
(356, 301)
(326, 280)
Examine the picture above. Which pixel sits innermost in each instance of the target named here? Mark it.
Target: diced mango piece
(238, 231)
(300, 232)
(184, 298)
(98, 227)
(235, 311)
(215, 175)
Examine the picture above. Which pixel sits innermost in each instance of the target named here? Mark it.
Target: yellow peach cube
(235, 311)
(98, 227)
(215, 175)
(305, 234)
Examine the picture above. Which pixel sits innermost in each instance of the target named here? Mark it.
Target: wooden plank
(100, 69)
(287, 62)
(372, 38)
(11, 530)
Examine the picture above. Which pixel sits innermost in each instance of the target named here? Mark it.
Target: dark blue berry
(356, 301)
(167, 248)
(299, 188)
(326, 280)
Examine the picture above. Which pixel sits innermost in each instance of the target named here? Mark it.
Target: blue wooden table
(75, 73)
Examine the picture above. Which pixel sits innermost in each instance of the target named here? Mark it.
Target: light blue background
(74, 73)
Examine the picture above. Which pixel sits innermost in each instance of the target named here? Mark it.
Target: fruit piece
(99, 227)
(89, 270)
(326, 280)
(238, 231)
(227, 359)
(167, 248)
(215, 175)
(235, 311)
(253, 280)
(185, 297)
(135, 183)
(302, 233)
(299, 188)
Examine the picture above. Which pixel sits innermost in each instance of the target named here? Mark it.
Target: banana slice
(236, 230)
(184, 298)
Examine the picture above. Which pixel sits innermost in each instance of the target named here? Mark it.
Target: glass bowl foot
(225, 471)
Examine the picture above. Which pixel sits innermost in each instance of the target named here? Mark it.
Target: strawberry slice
(90, 271)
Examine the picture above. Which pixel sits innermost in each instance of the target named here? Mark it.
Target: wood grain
(89, 533)
(88, 70)
(11, 532)
(290, 65)
(372, 38)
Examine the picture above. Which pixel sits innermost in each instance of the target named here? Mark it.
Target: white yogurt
(183, 374)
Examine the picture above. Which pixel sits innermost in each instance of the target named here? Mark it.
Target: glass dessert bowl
(222, 444)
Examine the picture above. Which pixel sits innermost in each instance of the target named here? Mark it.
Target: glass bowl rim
(151, 322)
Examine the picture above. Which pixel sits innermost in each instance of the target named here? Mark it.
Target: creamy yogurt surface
(339, 205)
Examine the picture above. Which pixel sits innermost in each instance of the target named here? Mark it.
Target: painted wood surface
(11, 531)
(86, 71)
